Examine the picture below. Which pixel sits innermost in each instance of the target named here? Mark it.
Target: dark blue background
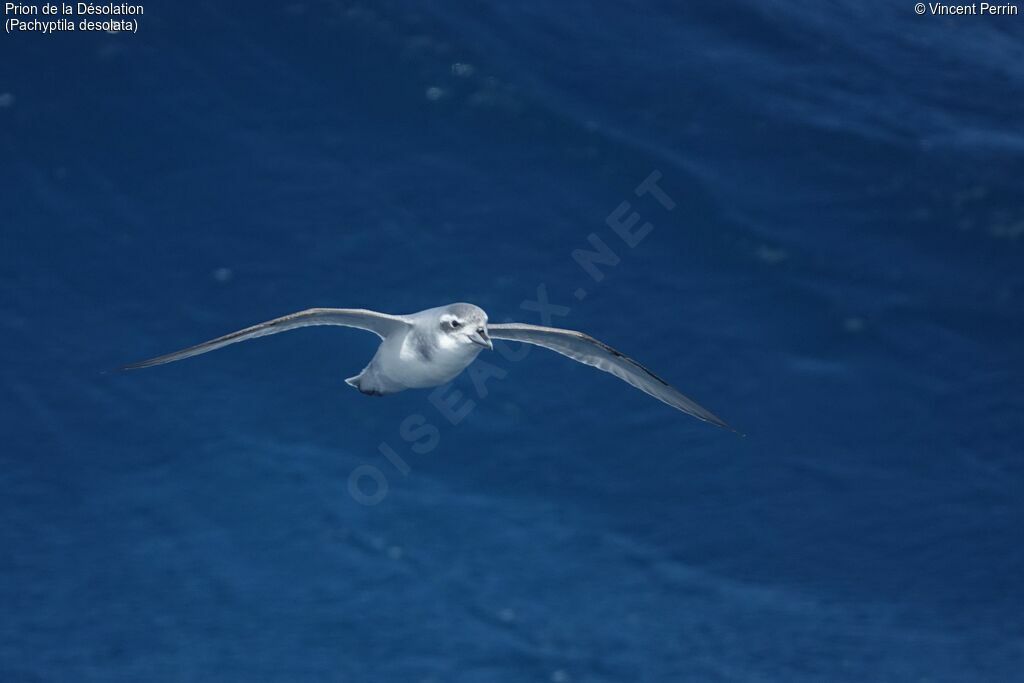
(841, 279)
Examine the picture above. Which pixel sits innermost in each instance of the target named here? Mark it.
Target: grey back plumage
(467, 312)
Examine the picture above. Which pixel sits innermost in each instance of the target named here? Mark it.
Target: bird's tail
(365, 385)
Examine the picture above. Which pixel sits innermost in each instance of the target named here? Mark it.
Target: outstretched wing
(585, 349)
(381, 324)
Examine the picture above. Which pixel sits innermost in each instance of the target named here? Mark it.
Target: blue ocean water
(840, 277)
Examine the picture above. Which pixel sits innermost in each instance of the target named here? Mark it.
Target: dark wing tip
(148, 363)
(713, 419)
(134, 366)
(729, 427)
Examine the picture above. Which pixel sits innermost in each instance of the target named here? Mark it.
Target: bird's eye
(456, 324)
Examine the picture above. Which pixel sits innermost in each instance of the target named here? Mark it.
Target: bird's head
(465, 324)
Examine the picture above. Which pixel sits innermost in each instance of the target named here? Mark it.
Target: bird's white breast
(407, 361)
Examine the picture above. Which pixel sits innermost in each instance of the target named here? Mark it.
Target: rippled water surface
(840, 277)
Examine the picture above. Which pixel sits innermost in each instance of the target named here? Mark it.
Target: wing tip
(735, 431)
(713, 419)
(139, 365)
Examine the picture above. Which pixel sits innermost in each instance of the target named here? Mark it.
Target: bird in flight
(432, 347)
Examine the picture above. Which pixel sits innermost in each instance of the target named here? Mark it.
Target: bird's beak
(480, 338)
